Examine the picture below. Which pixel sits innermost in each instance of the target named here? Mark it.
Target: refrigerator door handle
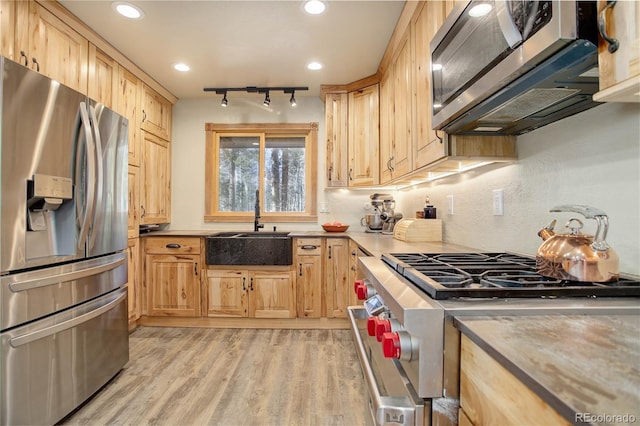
(99, 183)
(91, 169)
(48, 331)
(69, 276)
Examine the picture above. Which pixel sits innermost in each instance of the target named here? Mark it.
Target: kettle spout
(547, 232)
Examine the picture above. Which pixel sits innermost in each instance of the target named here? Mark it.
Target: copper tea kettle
(576, 256)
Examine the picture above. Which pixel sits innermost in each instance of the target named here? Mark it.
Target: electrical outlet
(324, 207)
(498, 202)
(450, 204)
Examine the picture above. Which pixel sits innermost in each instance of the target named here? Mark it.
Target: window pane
(239, 160)
(284, 174)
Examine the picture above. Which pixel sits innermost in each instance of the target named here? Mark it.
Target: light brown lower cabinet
(172, 276)
(133, 284)
(308, 271)
(490, 394)
(336, 270)
(250, 293)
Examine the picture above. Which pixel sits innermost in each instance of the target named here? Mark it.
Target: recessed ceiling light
(181, 67)
(481, 9)
(127, 10)
(314, 7)
(314, 66)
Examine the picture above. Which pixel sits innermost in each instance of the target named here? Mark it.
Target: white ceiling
(246, 43)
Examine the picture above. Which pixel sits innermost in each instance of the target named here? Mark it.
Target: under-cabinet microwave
(511, 66)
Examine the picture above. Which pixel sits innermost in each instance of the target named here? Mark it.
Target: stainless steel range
(409, 348)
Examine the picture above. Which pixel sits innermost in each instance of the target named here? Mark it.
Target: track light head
(224, 101)
(267, 100)
(292, 101)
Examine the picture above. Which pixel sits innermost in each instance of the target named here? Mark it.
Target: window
(276, 162)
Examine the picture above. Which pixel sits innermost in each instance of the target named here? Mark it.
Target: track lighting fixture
(254, 89)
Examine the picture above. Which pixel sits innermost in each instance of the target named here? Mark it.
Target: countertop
(373, 243)
(581, 365)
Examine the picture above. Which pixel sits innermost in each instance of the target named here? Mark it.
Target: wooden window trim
(212, 130)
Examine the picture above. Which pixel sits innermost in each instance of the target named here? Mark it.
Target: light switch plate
(498, 202)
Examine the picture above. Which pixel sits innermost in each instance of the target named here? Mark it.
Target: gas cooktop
(482, 275)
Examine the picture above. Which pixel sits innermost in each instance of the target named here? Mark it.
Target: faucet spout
(256, 221)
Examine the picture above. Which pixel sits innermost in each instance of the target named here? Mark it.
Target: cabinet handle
(309, 247)
(144, 212)
(350, 174)
(35, 61)
(251, 284)
(144, 116)
(330, 170)
(24, 55)
(301, 269)
(173, 245)
(195, 268)
(353, 268)
(244, 284)
(602, 27)
(353, 253)
(329, 252)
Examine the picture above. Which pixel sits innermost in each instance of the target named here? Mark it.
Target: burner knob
(371, 326)
(397, 345)
(382, 326)
(363, 289)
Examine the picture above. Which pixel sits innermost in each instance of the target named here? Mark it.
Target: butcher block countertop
(581, 365)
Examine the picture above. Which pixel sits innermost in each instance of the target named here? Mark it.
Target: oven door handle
(386, 409)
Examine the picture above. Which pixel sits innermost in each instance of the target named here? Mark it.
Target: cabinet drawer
(172, 245)
(309, 246)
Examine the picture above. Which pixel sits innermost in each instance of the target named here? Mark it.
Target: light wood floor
(198, 376)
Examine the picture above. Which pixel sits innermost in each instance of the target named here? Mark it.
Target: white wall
(592, 158)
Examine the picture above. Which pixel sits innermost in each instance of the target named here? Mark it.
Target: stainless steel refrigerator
(63, 235)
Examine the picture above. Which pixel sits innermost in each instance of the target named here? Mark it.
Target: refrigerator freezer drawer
(51, 366)
(31, 295)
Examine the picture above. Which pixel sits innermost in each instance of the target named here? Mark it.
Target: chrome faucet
(256, 221)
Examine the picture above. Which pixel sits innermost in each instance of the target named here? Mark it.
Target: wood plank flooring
(206, 376)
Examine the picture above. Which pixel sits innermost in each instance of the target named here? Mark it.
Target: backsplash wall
(592, 158)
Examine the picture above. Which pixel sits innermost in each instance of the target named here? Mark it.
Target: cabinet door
(354, 273)
(336, 123)
(309, 286)
(60, 53)
(156, 113)
(103, 77)
(337, 277)
(386, 127)
(7, 28)
(272, 295)
(226, 293)
(402, 110)
(155, 186)
(133, 284)
(133, 215)
(620, 70)
(173, 283)
(363, 137)
(428, 148)
(129, 88)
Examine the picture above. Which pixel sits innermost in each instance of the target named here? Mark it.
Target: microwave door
(108, 231)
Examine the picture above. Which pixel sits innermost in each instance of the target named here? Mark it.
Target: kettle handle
(589, 212)
(586, 211)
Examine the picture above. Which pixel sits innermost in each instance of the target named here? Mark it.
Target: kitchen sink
(249, 248)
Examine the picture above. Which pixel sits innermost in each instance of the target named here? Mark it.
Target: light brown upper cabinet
(363, 140)
(7, 28)
(155, 183)
(47, 45)
(155, 113)
(396, 150)
(103, 78)
(336, 129)
(620, 69)
(129, 90)
(428, 147)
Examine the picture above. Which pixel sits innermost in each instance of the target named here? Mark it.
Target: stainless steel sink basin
(249, 248)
